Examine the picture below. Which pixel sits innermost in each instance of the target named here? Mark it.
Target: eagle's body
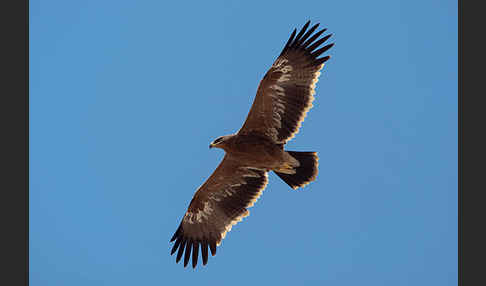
(258, 151)
(283, 98)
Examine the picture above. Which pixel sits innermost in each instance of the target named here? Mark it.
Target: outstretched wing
(286, 92)
(218, 204)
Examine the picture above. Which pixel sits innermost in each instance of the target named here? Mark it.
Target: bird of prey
(284, 96)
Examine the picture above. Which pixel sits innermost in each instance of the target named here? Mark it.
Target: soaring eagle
(283, 98)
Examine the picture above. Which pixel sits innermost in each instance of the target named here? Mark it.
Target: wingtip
(187, 255)
(176, 233)
(181, 251)
(212, 248)
(175, 247)
(306, 25)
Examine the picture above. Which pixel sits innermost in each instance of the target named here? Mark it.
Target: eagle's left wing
(286, 92)
(218, 204)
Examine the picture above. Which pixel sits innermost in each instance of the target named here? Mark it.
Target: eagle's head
(220, 141)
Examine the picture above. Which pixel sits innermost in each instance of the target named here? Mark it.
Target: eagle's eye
(218, 140)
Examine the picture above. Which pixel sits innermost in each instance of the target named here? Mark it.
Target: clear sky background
(125, 97)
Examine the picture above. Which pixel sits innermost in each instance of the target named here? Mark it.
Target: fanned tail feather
(305, 173)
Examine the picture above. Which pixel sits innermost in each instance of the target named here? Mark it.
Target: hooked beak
(211, 145)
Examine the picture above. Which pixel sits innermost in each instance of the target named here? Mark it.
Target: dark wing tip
(309, 43)
(299, 36)
(181, 250)
(289, 42)
(204, 251)
(313, 38)
(322, 60)
(306, 35)
(188, 252)
(320, 51)
(184, 245)
(316, 44)
(212, 247)
(176, 233)
(176, 245)
(195, 253)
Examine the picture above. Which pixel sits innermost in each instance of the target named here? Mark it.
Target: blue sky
(125, 97)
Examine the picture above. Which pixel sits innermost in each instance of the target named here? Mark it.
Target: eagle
(283, 98)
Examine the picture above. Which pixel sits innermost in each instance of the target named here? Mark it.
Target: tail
(305, 173)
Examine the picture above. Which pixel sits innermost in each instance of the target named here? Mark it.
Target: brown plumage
(283, 98)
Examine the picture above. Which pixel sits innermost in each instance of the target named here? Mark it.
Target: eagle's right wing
(286, 92)
(217, 205)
